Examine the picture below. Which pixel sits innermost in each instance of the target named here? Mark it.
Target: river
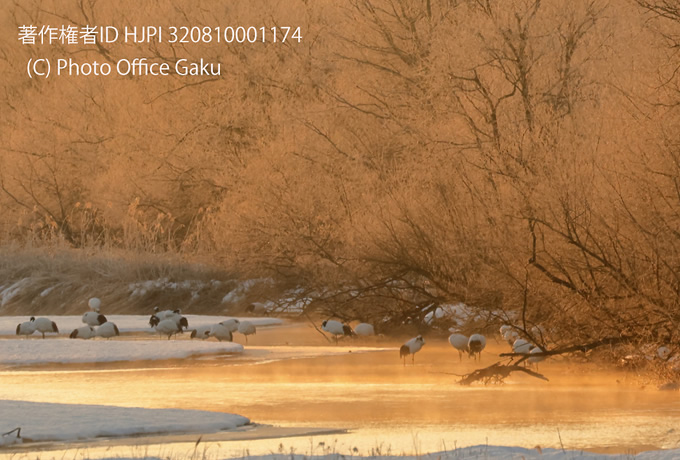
(366, 399)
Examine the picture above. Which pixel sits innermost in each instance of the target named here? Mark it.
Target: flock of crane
(91, 319)
(164, 322)
(172, 322)
(472, 345)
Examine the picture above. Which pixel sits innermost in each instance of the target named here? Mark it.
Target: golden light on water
(371, 394)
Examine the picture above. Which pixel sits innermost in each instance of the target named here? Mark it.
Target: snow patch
(23, 351)
(68, 422)
(232, 296)
(241, 290)
(47, 291)
(141, 288)
(12, 290)
(458, 312)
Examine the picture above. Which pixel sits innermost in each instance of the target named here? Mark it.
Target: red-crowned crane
(83, 332)
(45, 325)
(247, 328)
(460, 343)
(27, 327)
(476, 344)
(336, 328)
(411, 347)
(107, 330)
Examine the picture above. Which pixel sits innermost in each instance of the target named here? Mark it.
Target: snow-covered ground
(483, 453)
(74, 422)
(23, 352)
(127, 323)
(32, 352)
(486, 453)
(69, 422)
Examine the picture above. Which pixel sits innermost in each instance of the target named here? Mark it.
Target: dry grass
(60, 280)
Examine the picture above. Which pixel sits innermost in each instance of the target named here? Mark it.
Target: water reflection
(412, 409)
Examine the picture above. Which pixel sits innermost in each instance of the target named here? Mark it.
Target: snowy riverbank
(31, 352)
(70, 422)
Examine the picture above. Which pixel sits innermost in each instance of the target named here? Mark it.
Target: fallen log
(496, 373)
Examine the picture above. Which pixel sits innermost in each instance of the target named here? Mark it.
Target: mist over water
(381, 402)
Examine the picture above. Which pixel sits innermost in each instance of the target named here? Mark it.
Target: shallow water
(384, 405)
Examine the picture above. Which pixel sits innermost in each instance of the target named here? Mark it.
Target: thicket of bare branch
(520, 156)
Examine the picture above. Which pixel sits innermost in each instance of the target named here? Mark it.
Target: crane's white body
(166, 314)
(536, 359)
(231, 324)
(27, 327)
(333, 327)
(221, 332)
(247, 328)
(45, 325)
(201, 332)
(93, 318)
(83, 332)
(336, 328)
(168, 327)
(521, 346)
(415, 344)
(460, 343)
(476, 344)
(169, 315)
(107, 330)
(364, 329)
(411, 347)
